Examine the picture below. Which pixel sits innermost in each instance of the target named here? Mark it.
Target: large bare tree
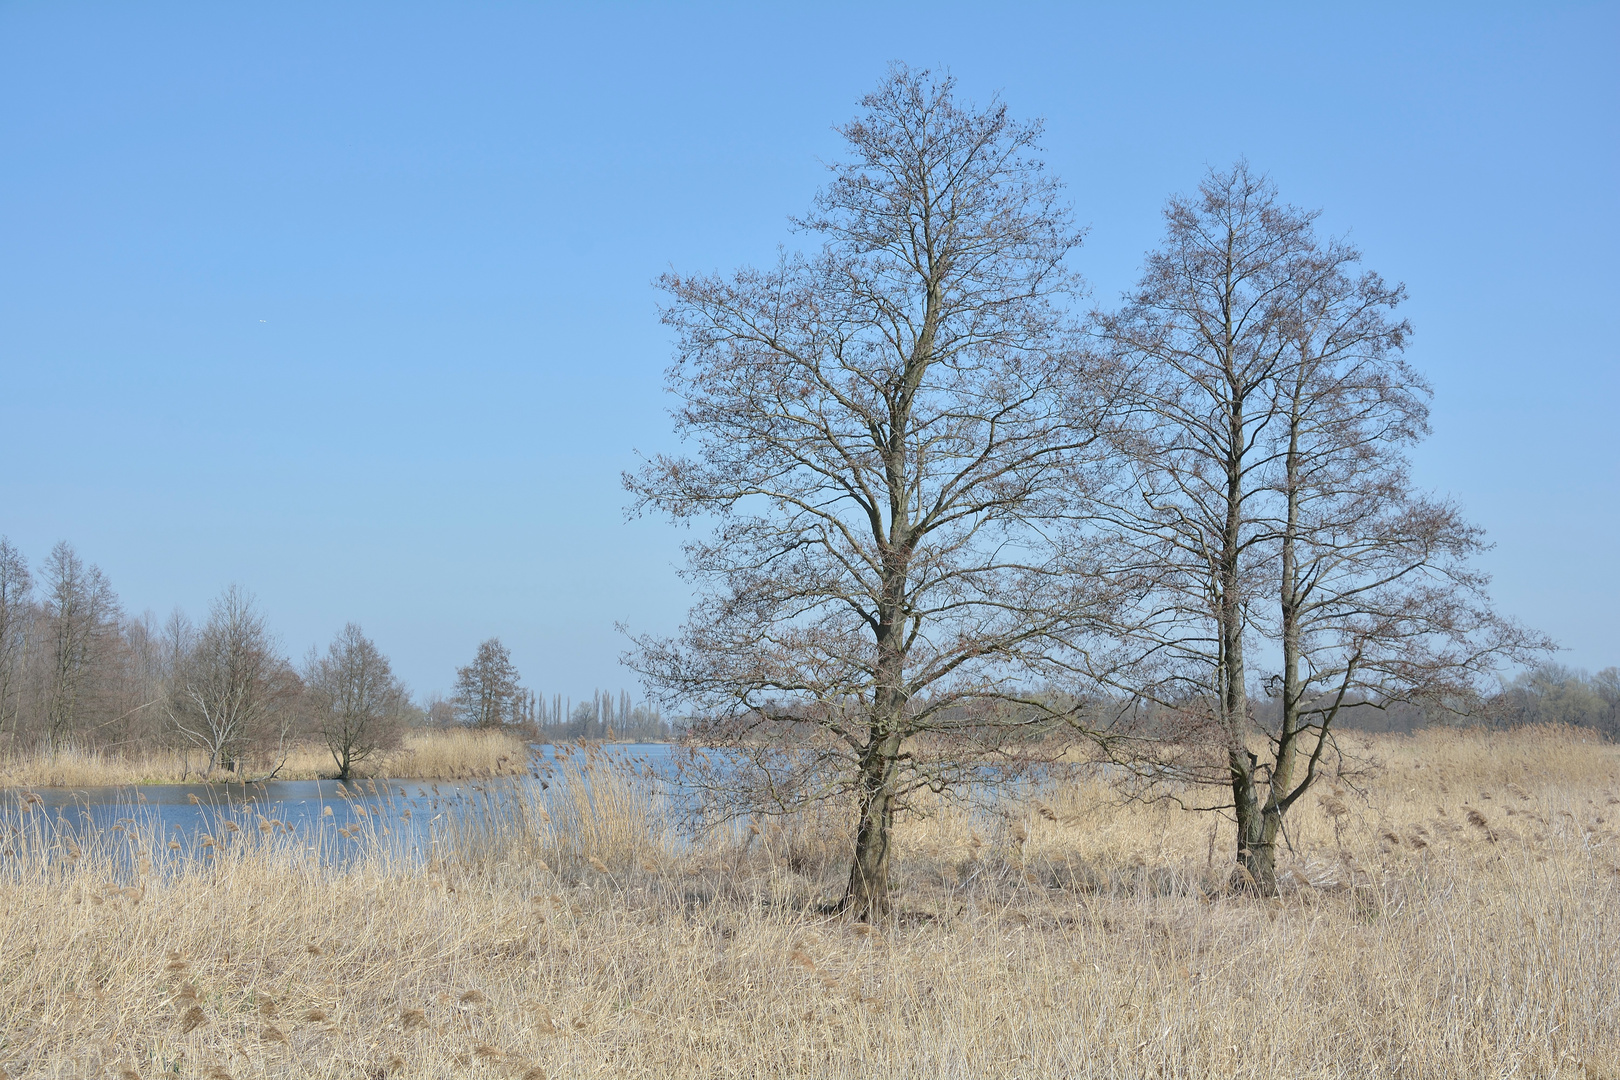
(356, 702)
(232, 691)
(1270, 505)
(891, 437)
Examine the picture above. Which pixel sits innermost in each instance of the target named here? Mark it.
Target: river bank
(1452, 917)
(432, 754)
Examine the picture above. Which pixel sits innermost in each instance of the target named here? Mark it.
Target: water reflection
(334, 821)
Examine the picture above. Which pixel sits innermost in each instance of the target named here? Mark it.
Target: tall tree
(893, 435)
(487, 688)
(356, 702)
(232, 692)
(145, 672)
(80, 631)
(1270, 503)
(16, 617)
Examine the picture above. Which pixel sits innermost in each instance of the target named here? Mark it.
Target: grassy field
(435, 754)
(1454, 918)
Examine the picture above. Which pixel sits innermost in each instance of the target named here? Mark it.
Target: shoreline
(442, 754)
(535, 945)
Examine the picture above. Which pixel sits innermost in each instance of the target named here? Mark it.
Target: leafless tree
(893, 435)
(144, 671)
(356, 702)
(79, 632)
(439, 710)
(16, 619)
(487, 688)
(233, 692)
(1271, 504)
(1554, 694)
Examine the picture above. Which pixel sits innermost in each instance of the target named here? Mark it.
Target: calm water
(404, 812)
(337, 822)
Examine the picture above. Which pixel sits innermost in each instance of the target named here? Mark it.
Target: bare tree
(893, 434)
(439, 710)
(16, 619)
(80, 629)
(356, 702)
(233, 692)
(1553, 694)
(1377, 602)
(1274, 410)
(145, 668)
(487, 688)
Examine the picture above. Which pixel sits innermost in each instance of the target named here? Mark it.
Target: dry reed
(437, 754)
(1059, 933)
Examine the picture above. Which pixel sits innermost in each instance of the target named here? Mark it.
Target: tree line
(960, 514)
(1555, 694)
(77, 672)
(489, 694)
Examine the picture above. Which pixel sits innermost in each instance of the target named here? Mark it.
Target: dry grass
(425, 755)
(457, 755)
(1452, 919)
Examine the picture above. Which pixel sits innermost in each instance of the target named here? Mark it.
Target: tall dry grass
(436, 754)
(456, 754)
(1451, 918)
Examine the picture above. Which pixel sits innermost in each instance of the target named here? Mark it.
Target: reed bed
(456, 755)
(427, 755)
(1450, 917)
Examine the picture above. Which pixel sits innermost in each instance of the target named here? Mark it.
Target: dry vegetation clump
(457, 754)
(1451, 918)
(435, 754)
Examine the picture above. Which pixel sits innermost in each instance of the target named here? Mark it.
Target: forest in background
(77, 671)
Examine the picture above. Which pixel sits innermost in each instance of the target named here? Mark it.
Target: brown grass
(1059, 935)
(426, 755)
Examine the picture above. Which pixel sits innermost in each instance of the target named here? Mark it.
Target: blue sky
(353, 305)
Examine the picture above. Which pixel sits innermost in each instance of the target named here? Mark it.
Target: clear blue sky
(352, 303)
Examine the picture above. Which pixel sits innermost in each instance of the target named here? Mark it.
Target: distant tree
(80, 619)
(892, 436)
(356, 704)
(1607, 685)
(439, 710)
(1554, 694)
(233, 693)
(487, 688)
(141, 680)
(16, 618)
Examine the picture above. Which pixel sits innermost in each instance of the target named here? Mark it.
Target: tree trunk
(1261, 862)
(867, 896)
(1256, 829)
(1256, 860)
(1257, 845)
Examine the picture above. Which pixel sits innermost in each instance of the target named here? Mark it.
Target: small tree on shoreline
(356, 703)
(232, 692)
